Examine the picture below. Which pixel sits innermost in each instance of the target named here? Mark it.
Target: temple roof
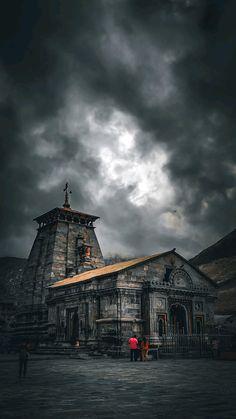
(94, 273)
(71, 211)
(117, 267)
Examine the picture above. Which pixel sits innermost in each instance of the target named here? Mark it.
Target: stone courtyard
(109, 388)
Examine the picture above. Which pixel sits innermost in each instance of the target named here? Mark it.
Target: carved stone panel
(160, 303)
(198, 306)
(180, 278)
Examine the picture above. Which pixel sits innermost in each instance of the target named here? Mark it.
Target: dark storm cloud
(127, 55)
(138, 231)
(34, 75)
(205, 155)
(198, 127)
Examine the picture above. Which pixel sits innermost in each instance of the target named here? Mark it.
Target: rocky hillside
(112, 259)
(11, 270)
(219, 263)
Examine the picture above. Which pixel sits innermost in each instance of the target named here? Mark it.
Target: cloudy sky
(133, 102)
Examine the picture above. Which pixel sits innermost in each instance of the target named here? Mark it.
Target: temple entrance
(161, 324)
(160, 327)
(178, 319)
(72, 325)
(199, 325)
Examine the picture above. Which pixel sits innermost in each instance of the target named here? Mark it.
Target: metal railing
(198, 345)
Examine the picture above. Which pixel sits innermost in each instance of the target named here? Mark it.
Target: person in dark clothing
(23, 360)
(144, 348)
(215, 348)
(139, 349)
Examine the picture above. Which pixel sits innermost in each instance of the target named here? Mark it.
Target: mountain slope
(219, 263)
(224, 248)
(11, 271)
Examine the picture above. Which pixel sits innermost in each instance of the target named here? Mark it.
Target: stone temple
(69, 295)
(65, 245)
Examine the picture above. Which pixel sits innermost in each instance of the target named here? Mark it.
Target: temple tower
(66, 244)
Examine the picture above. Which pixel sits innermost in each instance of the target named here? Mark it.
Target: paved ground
(106, 388)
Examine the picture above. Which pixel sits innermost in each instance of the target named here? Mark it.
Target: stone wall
(137, 300)
(54, 256)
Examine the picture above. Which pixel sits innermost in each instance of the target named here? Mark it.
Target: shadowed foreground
(105, 388)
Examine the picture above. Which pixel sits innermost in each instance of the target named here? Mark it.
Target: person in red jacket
(133, 345)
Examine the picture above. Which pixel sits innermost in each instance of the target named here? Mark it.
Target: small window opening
(167, 274)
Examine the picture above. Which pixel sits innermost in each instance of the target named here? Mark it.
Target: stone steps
(68, 352)
(189, 354)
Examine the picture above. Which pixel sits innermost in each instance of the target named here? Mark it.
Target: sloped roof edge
(118, 267)
(106, 270)
(66, 210)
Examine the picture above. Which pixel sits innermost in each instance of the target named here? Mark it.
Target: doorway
(72, 325)
(178, 319)
(199, 325)
(161, 324)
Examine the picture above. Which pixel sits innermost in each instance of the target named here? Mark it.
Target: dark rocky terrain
(111, 259)
(219, 263)
(11, 271)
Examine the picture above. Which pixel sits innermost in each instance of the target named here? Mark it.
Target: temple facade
(68, 294)
(156, 295)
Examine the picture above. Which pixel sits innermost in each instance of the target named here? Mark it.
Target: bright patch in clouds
(126, 141)
(145, 178)
(109, 140)
(123, 167)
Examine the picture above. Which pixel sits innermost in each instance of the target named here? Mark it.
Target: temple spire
(66, 203)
